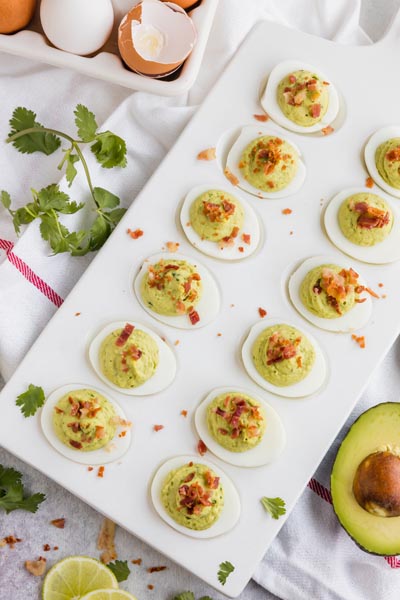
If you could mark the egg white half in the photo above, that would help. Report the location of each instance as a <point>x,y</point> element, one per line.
<point>118,445</point>
<point>384,252</point>
<point>247,135</point>
<point>230,513</point>
<point>378,138</point>
<point>354,319</point>
<point>270,447</point>
<point>269,100</point>
<point>208,305</point>
<point>163,375</point>
<point>251,226</point>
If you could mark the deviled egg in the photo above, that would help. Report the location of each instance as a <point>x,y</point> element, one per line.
<point>330,294</point>
<point>132,359</point>
<point>284,359</point>
<point>219,224</point>
<point>264,164</point>
<point>239,427</point>
<point>364,225</point>
<point>177,291</point>
<point>196,499</point>
<point>300,98</point>
<point>83,424</point>
<point>382,158</point>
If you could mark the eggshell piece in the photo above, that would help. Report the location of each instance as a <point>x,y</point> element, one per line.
<point>163,375</point>
<point>309,385</point>
<point>355,318</point>
<point>186,4</point>
<point>208,305</point>
<point>270,104</point>
<point>155,38</point>
<point>230,513</point>
<point>384,252</point>
<point>378,138</point>
<point>251,227</point>
<point>116,448</point>
<point>269,448</point>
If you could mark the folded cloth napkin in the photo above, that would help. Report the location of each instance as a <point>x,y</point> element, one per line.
<point>312,557</point>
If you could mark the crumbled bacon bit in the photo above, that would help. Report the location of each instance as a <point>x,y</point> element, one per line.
<point>327,130</point>
<point>10,541</point>
<point>124,335</point>
<point>231,177</point>
<point>59,523</point>
<point>75,444</point>
<point>393,155</point>
<point>184,413</point>
<point>58,410</point>
<point>122,434</point>
<point>100,472</point>
<point>380,284</point>
<point>106,541</point>
<point>36,567</point>
<point>136,561</point>
<point>150,587</point>
<point>360,340</point>
<point>246,237</point>
<point>370,217</point>
<point>241,249</point>
<point>55,548</point>
<point>156,569</point>
<point>287,211</point>
<point>299,362</point>
<point>262,312</point>
<point>193,316</point>
<point>46,548</point>
<point>172,246</point>
<point>261,118</point>
<point>135,234</point>
<point>280,349</point>
<point>77,314</point>
<point>177,342</point>
<point>208,154</point>
<point>158,427</point>
<point>315,110</point>
<point>201,448</point>
<point>369,182</point>
<point>219,334</point>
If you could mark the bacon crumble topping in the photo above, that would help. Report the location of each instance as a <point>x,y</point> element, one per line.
<point>280,348</point>
<point>370,216</point>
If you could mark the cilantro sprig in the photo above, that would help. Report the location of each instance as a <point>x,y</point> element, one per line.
<point>120,569</point>
<point>31,400</point>
<point>189,596</point>
<point>12,492</point>
<point>27,135</point>
<point>275,506</point>
<point>225,569</point>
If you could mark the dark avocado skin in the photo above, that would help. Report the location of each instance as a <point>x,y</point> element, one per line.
<point>332,473</point>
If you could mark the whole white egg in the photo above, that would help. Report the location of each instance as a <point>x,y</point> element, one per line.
<point>77,26</point>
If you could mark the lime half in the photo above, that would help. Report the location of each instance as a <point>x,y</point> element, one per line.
<point>75,576</point>
<point>108,595</point>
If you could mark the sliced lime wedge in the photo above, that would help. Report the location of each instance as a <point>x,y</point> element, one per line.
<point>108,595</point>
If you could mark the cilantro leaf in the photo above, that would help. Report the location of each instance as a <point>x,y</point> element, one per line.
<point>99,232</point>
<point>115,215</point>
<point>52,198</point>
<point>225,569</point>
<point>120,569</point>
<point>44,142</point>
<point>31,400</point>
<point>185,596</point>
<point>12,492</point>
<point>5,199</point>
<point>205,598</point>
<point>105,199</point>
<point>275,506</point>
<point>86,123</point>
<point>109,150</point>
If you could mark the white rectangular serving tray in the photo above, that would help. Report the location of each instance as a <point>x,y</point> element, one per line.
<point>106,63</point>
<point>206,361</point>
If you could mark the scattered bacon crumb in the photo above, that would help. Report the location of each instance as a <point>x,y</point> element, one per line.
<point>100,472</point>
<point>287,211</point>
<point>184,413</point>
<point>262,312</point>
<point>46,548</point>
<point>176,343</point>
<point>10,540</point>
<point>232,305</point>
<point>246,238</point>
<point>55,548</point>
<point>193,316</point>
<point>380,284</point>
<point>156,569</point>
<point>90,469</point>
<point>290,232</point>
<point>262,118</point>
<point>371,292</point>
<point>188,224</point>
<point>201,448</point>
<point>77,314</point>
<point>59,523</point>
<point>231,177</point>
<point>135,234</point>
<point>327,130</point>
<point>106,541</point>
<point>172,246</point>
<point>36,567</point>
<point>208,154</point>
<point>219,334</point>
<point>241,249</point>
<point>150,587</point>
<point>158,427</point>
<point>122,434</point>
<point>369,182</point>
<point>360,340</point>
<point>136,561</point>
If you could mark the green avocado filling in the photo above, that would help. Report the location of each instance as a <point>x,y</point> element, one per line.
<point>269,163</point>
<point>236,421</point>
<point>387,160</point>
<point>365,219</point>
<point>303,97</point>
<point>329,291</point>
<point>193,496</point>
<point>216,216</point>
<point>171,288</point>
<point>283,355</point>
<point>131,363</point>
<point>84,420</point>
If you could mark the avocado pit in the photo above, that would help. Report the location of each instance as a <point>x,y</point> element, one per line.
<point>376,484</point>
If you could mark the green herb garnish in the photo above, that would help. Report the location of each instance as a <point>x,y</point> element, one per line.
<point>120,569</point>
<point>12,492</point>
<point>189,596</point>
<point>275,506</point>
<point>31,400</point>
<point>225,569</point>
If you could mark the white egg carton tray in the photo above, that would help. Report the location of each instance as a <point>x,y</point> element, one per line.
<point>106,64</point>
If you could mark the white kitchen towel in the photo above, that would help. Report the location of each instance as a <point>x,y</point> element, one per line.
<point>311,558</point>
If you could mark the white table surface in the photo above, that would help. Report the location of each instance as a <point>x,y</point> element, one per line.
<point>83,523</point>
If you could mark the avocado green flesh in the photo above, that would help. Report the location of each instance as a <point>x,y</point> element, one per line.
<point>374,429</point>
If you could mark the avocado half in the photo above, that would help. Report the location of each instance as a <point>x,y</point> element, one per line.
<point>376,429</point>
